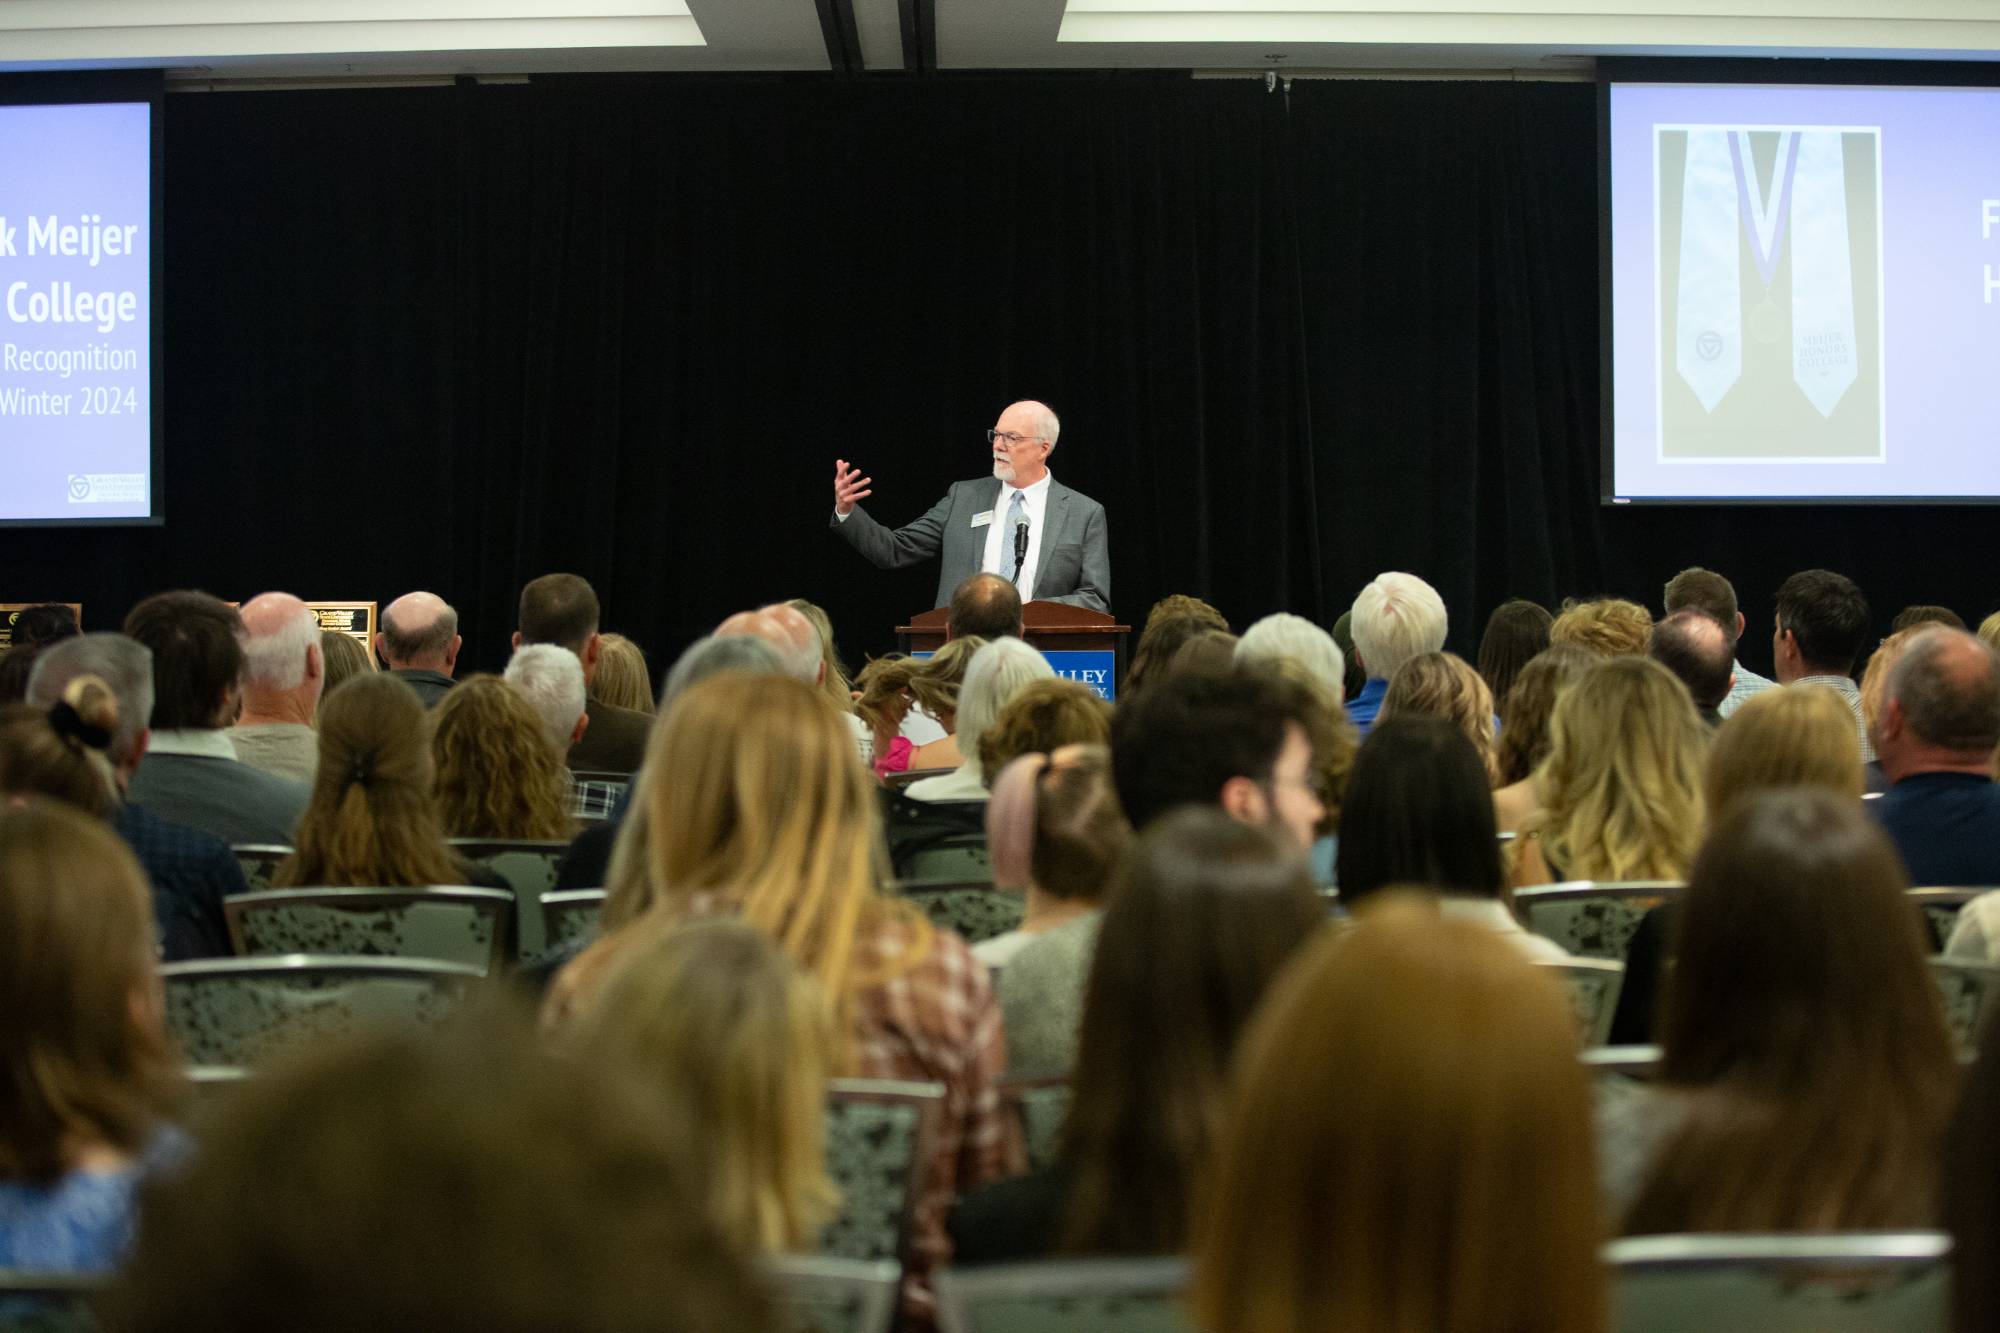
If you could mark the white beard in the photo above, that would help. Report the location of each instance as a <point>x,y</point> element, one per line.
<point>1004,471</point>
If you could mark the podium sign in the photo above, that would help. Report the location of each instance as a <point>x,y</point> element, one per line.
<point>1099,670</point>
<point>9,610</point>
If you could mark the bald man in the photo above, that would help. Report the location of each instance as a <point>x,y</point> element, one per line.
<point>419,643</point>
<point>788,631</point>
<point>283,676</point>
<point>1020,523</point>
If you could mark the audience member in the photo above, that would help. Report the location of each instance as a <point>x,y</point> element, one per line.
<point>1397,617</point>
<point>998,671</point>
<point>1972,1194</point>
<point>833,680</point>
<point>345,657</point>
<point>60,752</point>
<point>1444,686</point>
<point>190,773</point>
<point>16,665</point>
<point>1874,686</point>
<point>984,606</point>
<point>1939,724</point>
<point>1244,741</point>
<point>1420,814</point>
<point>623,679</point>
<point>1211,650</point>
<point>1807,1088</point>
<point>740,1042</point>
<point>1041,718</point>
<point>42,623</point>
<point>551,680</point>
<point>1621,788</point>
<point>1912,617</point>
<point>805,658</point>
<point>472,1183</point>
<point>87,1076</point>
<point>1296,648</point>
<point>1607,626</point>
<point>768,817</point>
<point>1691,644</point>
<point>1173,620</point>
<point>1390,1160</point>
<point>284,673</point>
<point>1704,590</point>
<point>892,687</point>
<point>1821,624</point>
<point>1989,631</point>
<point>191,871</point>
<point>562,609</point>
<point>1352,677</point>
<point>710,656</point>
<point>1056,834</point>
<point>1288,638</point>
<point>1524,729</point>
<point>1205,914</point>
<point>497,774</point>
<point>419,643</point>
<point>372,823</point>
<point>1515,633</point>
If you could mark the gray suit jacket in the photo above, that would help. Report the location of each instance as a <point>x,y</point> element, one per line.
<point>1075,565</point>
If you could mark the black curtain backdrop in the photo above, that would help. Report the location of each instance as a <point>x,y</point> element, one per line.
<point>454,338</point>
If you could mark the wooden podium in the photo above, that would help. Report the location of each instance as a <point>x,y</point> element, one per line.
<point>1050,626</point>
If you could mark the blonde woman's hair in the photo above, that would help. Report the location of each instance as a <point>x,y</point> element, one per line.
<point>1385,1162</point>
<point>834,684</point>
<point>715,1015</point>
<point>1989,630</point>
<point>1444,686</point>
<point>497,774</point>
<point>60,752</point>
<point>1621,787</point>
<point>931,683</point>
<point>370,822</point>
<point>1875,676</point>
<point>622,678</point>
<point>753,800</point>
<point>1609,626</point>
<point>1800,736</point>
<point>345,657</point>
<point>82,1061</point>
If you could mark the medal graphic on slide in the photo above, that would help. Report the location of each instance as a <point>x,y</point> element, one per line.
<point>1769,257</point>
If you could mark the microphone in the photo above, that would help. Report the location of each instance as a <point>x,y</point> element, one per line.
<point>1020,543</point>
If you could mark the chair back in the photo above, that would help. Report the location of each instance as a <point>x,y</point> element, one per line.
<point>1592,918</point>
<point>1969,990</point>
<point>529,867</point>
<point>1939,909</point>
<point>1639,1062</point>
<point>1593,984</point>
<point>878,1137</point>
<point>1040,1105</point>
<point>903,779</point>
<point>974,908</point>
<point>836,1295</point>
<point>1882,1282</point>
<point>959,856</point>
<point>570,917</point>
<point>33,1301</point>
<point>259,861</point>
<point>1066,1296</point>
<point>243,1011</point>
<point>455,925</point>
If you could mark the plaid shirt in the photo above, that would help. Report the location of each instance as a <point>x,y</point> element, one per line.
<point>937,1022</point>
<point>1851,696</point>
<point>191,873</point>
<point>1747,683</point>
<point>592,798</point>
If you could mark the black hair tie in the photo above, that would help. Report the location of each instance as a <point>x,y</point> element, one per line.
<point>360,771</point>
<point>70,725</point>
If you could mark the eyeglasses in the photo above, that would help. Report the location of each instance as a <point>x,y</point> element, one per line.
<point>1009,438</point>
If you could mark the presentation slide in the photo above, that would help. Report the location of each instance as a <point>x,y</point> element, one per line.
<point>76,320</point>
<point>1805,292</point>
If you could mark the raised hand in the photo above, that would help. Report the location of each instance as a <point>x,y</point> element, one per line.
<point>849,486</point>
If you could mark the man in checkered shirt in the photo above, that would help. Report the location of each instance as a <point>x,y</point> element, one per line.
<point>551,679</point>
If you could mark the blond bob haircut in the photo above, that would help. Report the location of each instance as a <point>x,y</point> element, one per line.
<point>622,678</point>
<point>84,1056</point>
<point>1609,626</point>
<point>931,683</point>
<point>1386,1165</point>
<point>1621,787</point>
<point>1802,736</point>
<point>753,801</point>
<point>497,774</point>
<point>716,1014</point>
<point>1444,686</point>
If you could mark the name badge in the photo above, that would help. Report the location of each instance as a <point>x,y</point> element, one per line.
<point>981,520</point>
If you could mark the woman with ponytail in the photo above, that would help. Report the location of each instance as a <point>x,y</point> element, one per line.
<point>60,753</point>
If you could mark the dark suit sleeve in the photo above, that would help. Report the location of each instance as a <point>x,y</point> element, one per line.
<point>907,545</point>
<point>1093,588</point>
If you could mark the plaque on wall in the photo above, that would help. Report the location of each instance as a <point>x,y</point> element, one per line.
<point>354,619</point>
<point>9,610</point>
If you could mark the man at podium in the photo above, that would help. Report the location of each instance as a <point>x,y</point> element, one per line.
<point>1020,523</point>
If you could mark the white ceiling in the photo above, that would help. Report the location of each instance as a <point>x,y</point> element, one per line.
<point>264,39</point>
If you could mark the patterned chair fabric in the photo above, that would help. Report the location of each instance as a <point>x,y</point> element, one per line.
<point>32,1302</point>
<point>1593,984</point>
<point>975,909</point>
<point>878,1136</point>
<point>570,917</point>
<point>243,1011</point>
<point>529,867</point>
<point>455,925</point>
<point>259,861</point>
<point>1969,990</point>
<point>1888,1282</point>
<point>1067,1296</point>
<point>1592,919</point>
<point>1940,908</point>
<point>836,1295</point>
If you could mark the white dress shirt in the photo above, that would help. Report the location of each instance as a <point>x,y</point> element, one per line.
<point>1000,534</point>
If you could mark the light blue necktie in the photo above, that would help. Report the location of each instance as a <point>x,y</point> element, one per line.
<point>1017,513</point>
